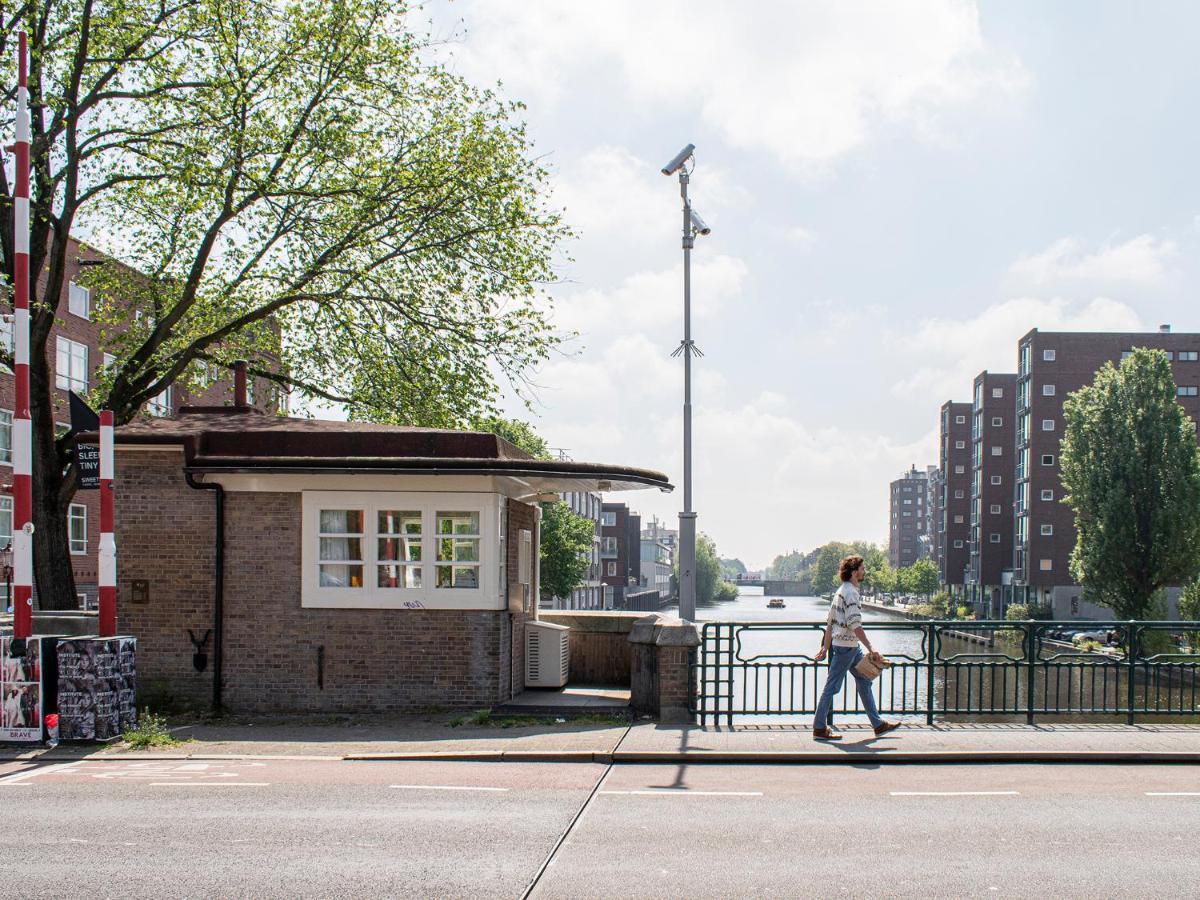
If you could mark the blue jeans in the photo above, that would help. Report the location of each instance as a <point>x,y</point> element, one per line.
<point>841,661</point>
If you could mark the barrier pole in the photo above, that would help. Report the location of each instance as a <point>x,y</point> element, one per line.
<point>108,544</point>
<point>22,427</point>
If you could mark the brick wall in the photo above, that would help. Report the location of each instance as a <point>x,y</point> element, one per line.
<point>374,660</point>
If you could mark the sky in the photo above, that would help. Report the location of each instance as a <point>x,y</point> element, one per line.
<point>897,193</point>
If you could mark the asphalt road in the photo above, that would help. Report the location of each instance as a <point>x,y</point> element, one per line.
<point>301,827</point>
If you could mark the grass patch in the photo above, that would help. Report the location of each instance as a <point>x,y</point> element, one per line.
<point>151,731</point>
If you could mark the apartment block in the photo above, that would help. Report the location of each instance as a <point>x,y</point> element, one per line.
<point>590,594</point>
<point>993,414</point>
<point>909,517</point>
<point>1050,366</point>
<point>620,551</point>
<point>951,514</point>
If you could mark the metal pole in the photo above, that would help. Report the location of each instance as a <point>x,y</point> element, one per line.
<point>687,518</point>
<point>108,544</point>
<point>22,427</point>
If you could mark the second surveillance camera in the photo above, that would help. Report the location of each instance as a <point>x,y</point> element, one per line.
<point>699,224</point>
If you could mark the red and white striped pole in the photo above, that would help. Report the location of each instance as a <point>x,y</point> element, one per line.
<point>22,428</point>
<point>108,543</point>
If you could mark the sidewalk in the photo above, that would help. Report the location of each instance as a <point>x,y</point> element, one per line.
<point>425,739</point>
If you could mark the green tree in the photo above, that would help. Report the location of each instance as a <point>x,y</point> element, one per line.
<point>1131,470</point>
<point>566,549</point>
<point>1189,611</point>
<point>297,184</point>
<point>786,566</point>
<point>732,568</point>
<point>708,571</point>
<point>825,569</point>
<point>516,432</point>
<point>921,577</point>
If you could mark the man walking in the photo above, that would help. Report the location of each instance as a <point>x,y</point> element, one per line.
<point>848,634</point>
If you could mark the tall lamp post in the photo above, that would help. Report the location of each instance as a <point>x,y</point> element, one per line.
<point>692,225</point>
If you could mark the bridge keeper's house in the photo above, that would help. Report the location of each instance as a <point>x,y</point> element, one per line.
<point>282,564</point>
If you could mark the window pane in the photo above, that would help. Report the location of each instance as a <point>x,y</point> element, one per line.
<point>341,576</point>
<point>341,521</point>
<point>5,436</point>
<point>458,523</point>
<point>6,519</point>
<point>400,549</point>
<point>399,576</point>
<point>341,548</point>
<point>392,521</point>
<point>457,577</point>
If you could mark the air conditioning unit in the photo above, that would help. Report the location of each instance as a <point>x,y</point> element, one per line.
<point>547,654</point>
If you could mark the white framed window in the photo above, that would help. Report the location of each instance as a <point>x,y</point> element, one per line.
<point>76,528</point>
<point>612,569</point>
<point>1049,390</point>
<point>997,479</point>
<point>1047,459</point>
<point>1047,530</point>
<point>1047,424</point>
<point>997,392</point>
<point>1048,355</point>
<point>6,520</point>
<point>402,550</point>
<point>6,432</point>
<point>995,509</point>
<point>608,518</point>
<point>997,451</point>
<point>1047,494</point>
<point>107,359</point>
<point>1125,354</point>
<point>997,421</point>
<point>1189,355</point>
<point>960,445</point>
<point>6,339</point>
<point>994,538</point>
<point>79,300</point>
<point>960,420</point>
<point>958,494</point>
<point>71,371</point>
<point>959,470</point>
<point>958,520</point>
<point>907,512</point>
<point>160,405</point>
<point>908,500</point>
<point>958,545</point>
<point>1046,565</point>
<point>1186,390</point>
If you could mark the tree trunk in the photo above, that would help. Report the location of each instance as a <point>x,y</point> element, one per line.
<point>51,496</point>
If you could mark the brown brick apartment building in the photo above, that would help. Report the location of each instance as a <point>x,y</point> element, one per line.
<point>360,567</point>
<point>951,522</point>
<point>620,549</point>
<point>1050,366</point>
<point>909,518</point>
<point>993,414</point>
<point>77,358</point>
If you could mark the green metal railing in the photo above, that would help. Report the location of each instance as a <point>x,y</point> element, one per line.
<point>979,669</point>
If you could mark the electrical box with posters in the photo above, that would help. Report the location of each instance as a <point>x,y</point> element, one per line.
<point>27,688</point>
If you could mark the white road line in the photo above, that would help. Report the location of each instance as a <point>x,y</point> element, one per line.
<point>445,787</point>
<point>209,784</point>
<point>954,793</point>
<point>47,770</point>
<point>7,783</point>
<point>683,792</point>
<point>1173,793</point>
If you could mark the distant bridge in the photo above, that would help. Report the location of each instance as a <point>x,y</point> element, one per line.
<point>774,588</point>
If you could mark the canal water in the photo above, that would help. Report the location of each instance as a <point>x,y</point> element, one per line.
<point>967,683</point>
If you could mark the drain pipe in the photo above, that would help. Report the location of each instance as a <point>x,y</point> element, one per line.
<point>218,582</point>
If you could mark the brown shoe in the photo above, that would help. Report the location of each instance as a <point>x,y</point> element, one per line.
<point>885,728</point>
<point>826,734</point>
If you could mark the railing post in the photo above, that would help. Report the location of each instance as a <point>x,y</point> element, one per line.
<point>1031,662</point>
<point>1131,662</point>
<point>930,655</point>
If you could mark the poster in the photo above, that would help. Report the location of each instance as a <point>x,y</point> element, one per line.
<point>97,687</point>
<point>20,692</point>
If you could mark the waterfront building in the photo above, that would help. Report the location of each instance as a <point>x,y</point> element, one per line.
<point>1050,366</point>
<point>952,509</point>
<point>620,552</point>
<point>909,517</point>
<point>993,413</point>
<point>590,594</point>
<point>658,558</point>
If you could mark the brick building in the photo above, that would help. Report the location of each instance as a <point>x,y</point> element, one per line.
<point>909,518</point>
<point>358,567</point>
<point>620,550</point>
<point>1050,366</point>
<point>78,357</point>
<point>991,537</point>
<point>953,509</point>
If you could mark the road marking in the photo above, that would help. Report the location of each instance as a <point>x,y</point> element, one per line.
<point>23,777</point>
<point>954,793</point>
<point>683,792</point>
<point>1173,793</point>
<point>444,787</point>
<point>210,784</point>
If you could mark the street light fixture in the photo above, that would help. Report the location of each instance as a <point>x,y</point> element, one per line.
<point>692,226</point>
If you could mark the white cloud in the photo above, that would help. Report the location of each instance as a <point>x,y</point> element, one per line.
<point>808,82</point>
<point>1143,261</point>
<point>800,236</point>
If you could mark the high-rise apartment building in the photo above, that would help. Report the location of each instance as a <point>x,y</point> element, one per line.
<point>953,506</point>
<point>1050,366</point>
<point>993,413</point>
<point>590,594</point>
<point>909,517</point>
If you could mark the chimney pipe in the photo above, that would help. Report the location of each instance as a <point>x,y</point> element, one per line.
<point>239,384</point>
<point>1164,329</point>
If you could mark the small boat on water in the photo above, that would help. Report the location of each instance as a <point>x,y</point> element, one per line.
<point>775,603</point>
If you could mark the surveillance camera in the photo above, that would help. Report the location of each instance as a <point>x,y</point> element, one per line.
<point>680,158</point>
<point>699,224</point>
